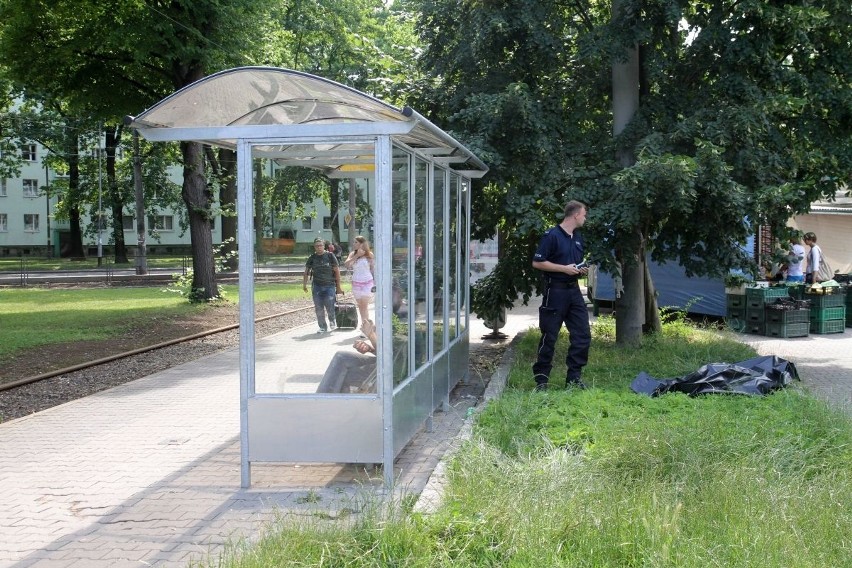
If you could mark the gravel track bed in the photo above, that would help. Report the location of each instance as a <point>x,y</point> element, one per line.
<point>35,397</point>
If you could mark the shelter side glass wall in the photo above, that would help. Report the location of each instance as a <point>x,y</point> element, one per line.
<point>464,261</point>
<point>439,259</point>
<point>401,280</point>
<point>430,228</point>
<point>454,233</point>
<point>421,260</point>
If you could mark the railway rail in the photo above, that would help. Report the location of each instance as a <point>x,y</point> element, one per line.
<point>126,354</point>
<point>24,396</point>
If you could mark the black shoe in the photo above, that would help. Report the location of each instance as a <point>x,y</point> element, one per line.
<point>575,384</point>
<point>541,387</point>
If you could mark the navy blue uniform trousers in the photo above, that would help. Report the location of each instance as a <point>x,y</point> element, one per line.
<point>558,306</point>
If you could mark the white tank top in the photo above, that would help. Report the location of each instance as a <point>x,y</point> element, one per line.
<point>361,270</point>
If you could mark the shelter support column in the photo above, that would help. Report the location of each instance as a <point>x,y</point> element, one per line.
<point>245,248</point>
<point>384,285</point>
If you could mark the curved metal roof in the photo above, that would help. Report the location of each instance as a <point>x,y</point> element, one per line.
<point>267,103</point>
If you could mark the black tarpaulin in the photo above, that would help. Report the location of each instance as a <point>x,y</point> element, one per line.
<point>757,376</point>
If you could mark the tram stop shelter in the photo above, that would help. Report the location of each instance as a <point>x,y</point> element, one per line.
<point>409,190</point>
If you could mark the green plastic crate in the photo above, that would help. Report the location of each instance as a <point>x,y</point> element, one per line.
<point>755,315</point>
<point>735,313</point>
<point>735,300</point>
<point>756,328</point>
<point>825,314</point>
<point>757,297</point>
<point>828,326</point>
<point>787,329</point>
<point>788,316</point>
<point>833,300</point>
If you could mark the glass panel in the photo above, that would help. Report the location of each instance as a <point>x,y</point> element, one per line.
<point>421,261</point>
<point>453,260</point>
<point>464,244</point>
<point>299,358</point>
<point>438,261</point>
<point>400,266</point>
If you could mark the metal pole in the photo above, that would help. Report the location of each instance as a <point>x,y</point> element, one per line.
<point>47,199</point>
<point>100,204</point>
<point>141,251</point>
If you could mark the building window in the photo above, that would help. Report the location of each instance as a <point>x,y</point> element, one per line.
<point>326,222</point>
<point>306,223</point>
<point>3,187</point>
<point>28,152</point>
<point>161,222</point>
<point>30,188</point>
<point>30,223</point>
<point>127,222</point>
<point>4,223</point>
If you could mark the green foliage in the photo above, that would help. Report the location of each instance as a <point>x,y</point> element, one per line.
<point>743,120</point>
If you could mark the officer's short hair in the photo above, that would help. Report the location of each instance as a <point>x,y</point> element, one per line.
<point>573,206</point>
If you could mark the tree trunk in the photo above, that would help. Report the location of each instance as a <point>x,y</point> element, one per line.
<point>116,199</point>
<point>630,307</point>
<point>652,310</point>
<point>198,199</point>
<point>353,215</point>
<point>334,197</point>
<point>75,243</point>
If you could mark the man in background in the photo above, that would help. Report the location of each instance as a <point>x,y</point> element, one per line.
<point>324,272</point>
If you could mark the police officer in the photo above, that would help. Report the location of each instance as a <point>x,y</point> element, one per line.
<point>557,256</point>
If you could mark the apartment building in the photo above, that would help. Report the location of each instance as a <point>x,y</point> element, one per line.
<point>28,225</point>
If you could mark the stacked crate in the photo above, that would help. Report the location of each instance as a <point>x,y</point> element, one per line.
<point>788,322</point>
<point>756,300</point>
<point>735,305</point>
<point>849,306</point>
<point>828,311</point>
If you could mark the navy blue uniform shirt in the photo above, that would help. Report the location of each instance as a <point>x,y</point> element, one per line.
<point>559,247</point>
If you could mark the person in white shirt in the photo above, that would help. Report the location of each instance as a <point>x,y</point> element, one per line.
<point>361,263</point>
<point>794,260</point>
<point>812,268</point>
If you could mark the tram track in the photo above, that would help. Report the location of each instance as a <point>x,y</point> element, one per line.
<point>126,354</point>
<point>39,392</point>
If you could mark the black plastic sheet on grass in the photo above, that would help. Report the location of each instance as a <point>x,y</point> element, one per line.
<point>758,376</point>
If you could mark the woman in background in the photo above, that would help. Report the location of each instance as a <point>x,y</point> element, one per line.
<point>361,263</point>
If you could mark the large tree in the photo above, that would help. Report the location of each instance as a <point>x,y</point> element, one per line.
<point>117,58</point>
<point>743,119</point>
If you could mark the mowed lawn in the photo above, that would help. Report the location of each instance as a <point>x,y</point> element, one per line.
<point>32,317</point>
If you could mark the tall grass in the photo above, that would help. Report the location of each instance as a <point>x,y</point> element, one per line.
<point>605,477</point>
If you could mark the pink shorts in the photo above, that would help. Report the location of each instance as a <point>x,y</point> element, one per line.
<point>363,290</point>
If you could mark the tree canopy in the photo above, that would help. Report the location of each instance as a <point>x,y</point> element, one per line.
<point>744,119</point>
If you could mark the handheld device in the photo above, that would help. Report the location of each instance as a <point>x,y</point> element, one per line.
<point>582,265</point>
